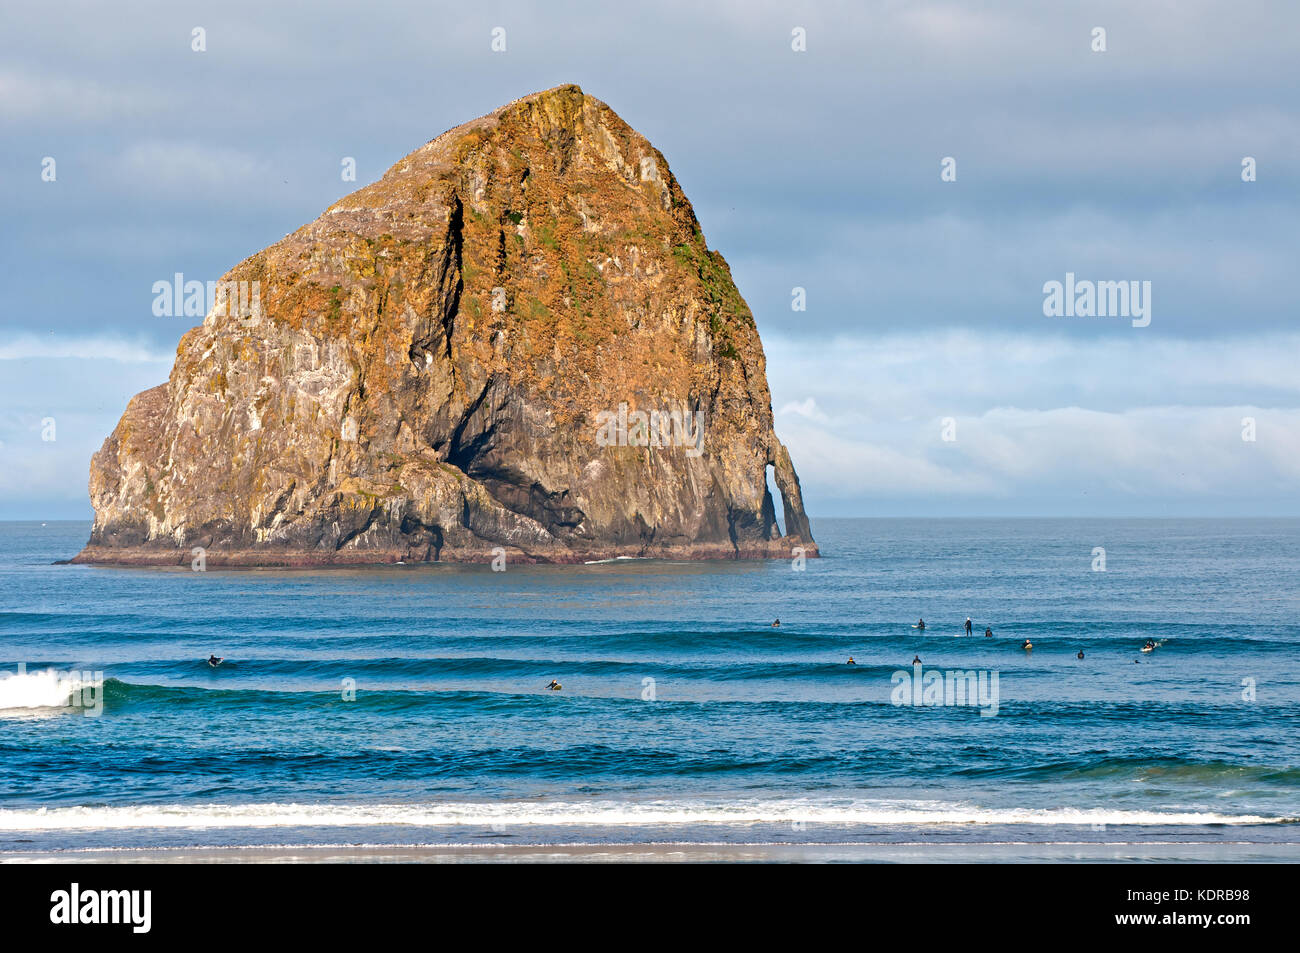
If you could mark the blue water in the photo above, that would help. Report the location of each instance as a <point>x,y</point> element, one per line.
<point>684,717</point>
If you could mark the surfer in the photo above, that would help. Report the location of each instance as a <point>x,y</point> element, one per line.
<point>1149,647</point>
<point>1028,646</point>
<point>214,661</point>
<point>1080,655</point>
<point>916,660</point>
<point>988,633</point>
<point>554,686</point>
<point>776,623</point>
<point>968,625</point>
<point>850,661</point>
<point>920,624</point>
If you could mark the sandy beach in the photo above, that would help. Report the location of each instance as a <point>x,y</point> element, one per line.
<point>1152,851</point>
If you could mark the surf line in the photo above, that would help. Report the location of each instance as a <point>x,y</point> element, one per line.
<point>952,688</point>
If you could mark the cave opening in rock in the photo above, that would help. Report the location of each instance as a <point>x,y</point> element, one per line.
<point>773,495</point>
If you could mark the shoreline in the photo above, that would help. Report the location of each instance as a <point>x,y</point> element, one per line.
<point>134,557</point>
<point>910,853</point>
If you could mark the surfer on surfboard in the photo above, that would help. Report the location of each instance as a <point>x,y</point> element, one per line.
<point>214,661</point>
<point>920,624</point>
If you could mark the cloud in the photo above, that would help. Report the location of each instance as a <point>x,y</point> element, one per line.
<point>966,372</point>
<point>816,169</point>
<point>80,386</point>
<point>805,408</point>
<point>1056,419</point>
<point>28,347</point>
<point>182,166</point>
<point>48,98</point>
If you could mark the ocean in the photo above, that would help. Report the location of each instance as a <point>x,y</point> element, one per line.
<point>370,712</point>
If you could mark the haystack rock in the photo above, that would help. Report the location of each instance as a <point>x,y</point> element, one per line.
<point>515,341</point>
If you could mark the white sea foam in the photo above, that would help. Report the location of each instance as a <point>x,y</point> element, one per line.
<point>592,814</point>
<point>47,689</point>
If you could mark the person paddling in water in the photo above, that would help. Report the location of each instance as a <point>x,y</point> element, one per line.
<point>988,633</point>
<point>214,661</point>
<point>968,625</point>
<point>1028,646</point>
<point>850,661</point>
<point>776,623</point>
<point>554,686</point>
<point>916,660</point>
<point>920,624</point>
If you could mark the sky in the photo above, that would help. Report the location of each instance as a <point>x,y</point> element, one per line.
<point>923,377</point>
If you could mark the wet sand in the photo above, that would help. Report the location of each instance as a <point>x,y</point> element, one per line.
<point>1139,852</point>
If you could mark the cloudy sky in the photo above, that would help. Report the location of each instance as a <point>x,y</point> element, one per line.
<point>818,169</point>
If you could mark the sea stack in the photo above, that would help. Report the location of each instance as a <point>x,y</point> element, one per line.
<point>516,341</point>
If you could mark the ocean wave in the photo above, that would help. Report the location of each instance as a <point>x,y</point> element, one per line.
<point>412,640</point>
<point>606,814</point>
<point>526,666</point>
<point>117,693</point>
<point>41,689</point>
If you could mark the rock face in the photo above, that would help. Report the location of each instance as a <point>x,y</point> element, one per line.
<point>485,348</point>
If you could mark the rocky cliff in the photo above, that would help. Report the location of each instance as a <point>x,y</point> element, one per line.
<point>516,338</point>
